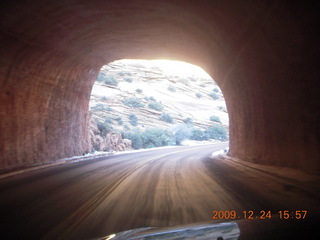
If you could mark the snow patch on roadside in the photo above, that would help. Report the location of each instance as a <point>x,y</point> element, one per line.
<point>196,143</point>
<point>220,152</point>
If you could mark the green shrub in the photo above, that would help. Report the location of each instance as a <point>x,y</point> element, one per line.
<point>198,135</point>
<point>215,119</point>
<point>171,89</point>
<point>217,132</point>
<point>101,107</point>
<point>104,128</point>
<point>110,80</point>
<point>156,106</point>
<point>133,120</point>
<point>216,90</point>
<point>214,96</point>
<point>198,95</point>
<point>135,137</point>
<point>188,121</point>
<point>152,99</point>
<point>139,90</point>
<point>181,132</point>
<point>122,73</point>
<point>166,118</point>
<point>155,137</point>
<point>119,120</point>
<point>129,80</point>
<point>108,120</point>
<point>133,102</point>
<point>222,108</point>
<point>101,76</point>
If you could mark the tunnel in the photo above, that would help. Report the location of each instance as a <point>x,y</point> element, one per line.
<point>262,54</point>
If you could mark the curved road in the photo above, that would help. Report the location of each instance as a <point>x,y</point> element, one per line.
<point>161,187</point>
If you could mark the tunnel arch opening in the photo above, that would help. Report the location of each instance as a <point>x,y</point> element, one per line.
<point>250,48</point>
<point>155,103</point>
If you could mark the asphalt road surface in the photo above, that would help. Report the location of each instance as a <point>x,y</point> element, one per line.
<point>161,187</point>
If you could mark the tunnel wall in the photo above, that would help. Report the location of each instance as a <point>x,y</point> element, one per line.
<point>263,56</point>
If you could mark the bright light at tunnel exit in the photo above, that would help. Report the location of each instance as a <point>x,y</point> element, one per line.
<point>177,68</point>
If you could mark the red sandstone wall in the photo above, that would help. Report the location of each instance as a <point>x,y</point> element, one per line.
<point>263,56</point>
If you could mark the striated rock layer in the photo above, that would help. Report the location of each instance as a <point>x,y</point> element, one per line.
<point>263,55</point>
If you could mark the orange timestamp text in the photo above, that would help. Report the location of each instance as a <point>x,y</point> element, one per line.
<point>283,214</point>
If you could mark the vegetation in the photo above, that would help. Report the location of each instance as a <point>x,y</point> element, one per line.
<point>123,73</point>
<point>108,120</point>
<point>133,102</point>
<point>119,120</point>
<point>166,118</point>
<point>101,76</point>
<point>156,106</point>
<point>104,128</point>
<point>217,132</point>
<point>181,132</point>
<point>154,137</point>
<point>107,79</point>
<point>101,107</point>
<point>214,96</point>
<point>139,90</point>
<point>129,80</point>
<point>198,95</point>
<point>215,119</point>
<point>198,135</point>
<point>216,90</point>
<point>150,99</point>
<point>133,119</point>
<point>188,121</point>
<point>135,137</point>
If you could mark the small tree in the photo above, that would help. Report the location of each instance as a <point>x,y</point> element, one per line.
<point>101,107</point>
<point>135,137</point>
<point>110,80</point>
<point>216,90</point>
<point>129,80</point>
<point>133,102</point>
<point>181,132</point>
<point>188,121</point>
<point>133,120</point>
<point>166,118</point>
<point>156,106</point>
<point>198,95</point>
<point>198,135</point>
<point>215,119</point>
<point>217,132</point>
<point>214,96</point>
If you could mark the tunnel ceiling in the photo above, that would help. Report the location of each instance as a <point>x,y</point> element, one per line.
<point>263,55</point>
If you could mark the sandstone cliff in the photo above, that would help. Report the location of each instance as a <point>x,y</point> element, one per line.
<point>131,95</point>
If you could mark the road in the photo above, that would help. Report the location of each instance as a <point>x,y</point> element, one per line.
<point>161,187</point>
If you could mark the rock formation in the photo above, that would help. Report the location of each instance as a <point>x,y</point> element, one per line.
<point>111,142</point>
<point>115,142</point>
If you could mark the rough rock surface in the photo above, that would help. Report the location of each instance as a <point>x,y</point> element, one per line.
<point>264,56</point>
<point>181,103</point>
<point>116,143</point>
<point>111,142</point>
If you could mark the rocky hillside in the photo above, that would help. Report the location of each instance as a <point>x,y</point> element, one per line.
<point>131,96</point>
